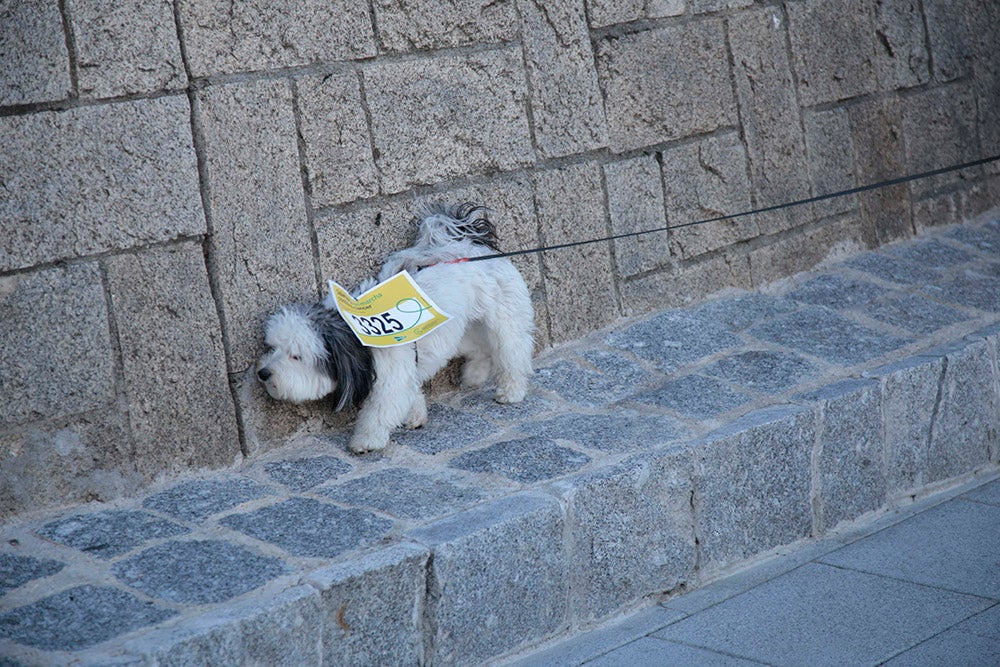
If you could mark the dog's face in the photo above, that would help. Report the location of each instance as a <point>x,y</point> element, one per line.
<point>294,368</point>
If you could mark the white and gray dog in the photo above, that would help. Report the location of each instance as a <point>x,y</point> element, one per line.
<point>313,353</point>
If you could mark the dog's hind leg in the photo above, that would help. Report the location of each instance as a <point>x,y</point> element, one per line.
<point>391,400</point>
<point>508,329</point>
<point>478,359</point>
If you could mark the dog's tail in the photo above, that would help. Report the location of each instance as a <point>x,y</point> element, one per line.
<point>441,224</point>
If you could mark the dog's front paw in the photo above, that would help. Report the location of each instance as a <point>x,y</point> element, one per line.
<point>509,395</point>
<point>363,446</point>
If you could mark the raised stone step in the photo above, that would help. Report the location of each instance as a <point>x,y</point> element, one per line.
<point>646,459</point>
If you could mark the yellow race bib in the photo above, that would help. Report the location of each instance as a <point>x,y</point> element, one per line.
<point>394,312</point>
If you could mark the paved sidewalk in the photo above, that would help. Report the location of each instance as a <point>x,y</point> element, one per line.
<point>646,458</point>
<point>917,587</point>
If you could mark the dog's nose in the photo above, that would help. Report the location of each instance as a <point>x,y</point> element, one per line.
<point>263,374</point>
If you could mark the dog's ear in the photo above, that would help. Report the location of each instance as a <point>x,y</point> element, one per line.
<point>348,362</point>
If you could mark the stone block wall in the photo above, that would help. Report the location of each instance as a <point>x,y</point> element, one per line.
<point>173,170</point>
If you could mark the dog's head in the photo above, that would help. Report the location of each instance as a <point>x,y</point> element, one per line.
<point>312,353</point>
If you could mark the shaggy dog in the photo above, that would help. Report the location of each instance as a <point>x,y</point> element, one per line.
<point>313,353</point>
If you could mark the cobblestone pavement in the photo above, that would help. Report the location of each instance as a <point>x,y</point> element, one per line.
<point>216,564</point>
<point>916,587</point>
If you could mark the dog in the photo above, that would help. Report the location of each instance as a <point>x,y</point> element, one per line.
<point>313,353</point>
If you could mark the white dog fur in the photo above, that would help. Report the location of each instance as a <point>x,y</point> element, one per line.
<point>313,353</point>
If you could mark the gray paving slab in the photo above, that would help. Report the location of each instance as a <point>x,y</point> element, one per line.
<point>447,428</point>
<point>197,500</point>
<point>984,624</point>
<point>530,459</point>
<point>625,430</point>
<point>914,312</point>
<point>603,640</point>
<point>413,495</point>
<point>308,527</point>
<point>654,651</point>
<point>18,570</point>
<point>197,571</point>
<point>838,292</point>
<point>763,370</point>
<point>864,619</point>
<point>741,312</point>
<point>952,546</point>
<point>987,493</point>
<point>597,379</point>
<point>674,338</point>
<point>951,648</point>
<point>109,534</point>
<point>694,396</point>
<point>825,334</point>
<point>79,617</point>
<point>305,473</point>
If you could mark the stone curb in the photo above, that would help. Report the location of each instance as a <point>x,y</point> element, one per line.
<point>492,531</point>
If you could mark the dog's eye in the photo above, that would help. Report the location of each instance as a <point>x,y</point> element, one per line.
<point>296,357</point>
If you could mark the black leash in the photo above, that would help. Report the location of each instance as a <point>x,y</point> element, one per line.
<point>777,207</point>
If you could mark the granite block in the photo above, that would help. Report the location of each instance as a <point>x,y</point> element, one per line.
<point>78,618</point>
<point>665,83</point>
<point>769,113</point>
<point>941,119</point>
<point>36,63</point>
<point>932,254</point>
<point>180,407</point>
<point>411,101</point>
<point>674,338</point>
<point>197,500</point>
<point>621,431</point>
<point>833,53</point>
<point>280,629</point>
<point>603,13</point>
<point>17,570</point>
<point>303,474</point>
<point>338,149</point>
<point>48,373</point>
<point>904,552</point>
<point>984,624</point>
<point>781,256</point>
<point>819,596</point>
<point>838,292</point>
<point>738,313</point>
<point>307,527</point>
<point>611,378</point>
<point>914,312</point>
<point>436,24</point>
<point>902,59</point>
<point>693,396</point>
<point>497,579</point>
<point>909,403</point>
<point>631,532</point>
<point>527,460</point>
<point>887,212</point>
<point>567,109</point>
<point>762,370</point>
<point>197,571</point>
<point>260,246</point>
<point>446,429</point>
<point>126,176</point>
<point>987,493</point>
<point>752,485</point>
<point>362,629</point>
<point>970,289</point>
<point>571,207</point>
<point>405,494</point>
<point>831,159</point>
<point>966,423</point>
<point>704,180</point>
<point>111,533</point>
<point>985,239</point>
<point>686,287</point>
<point>125,48</point>
<point>893,269</point>
<point>851,475</point>
<point>253,36</point>
<point>825,334</point>
<point>635,204</point>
